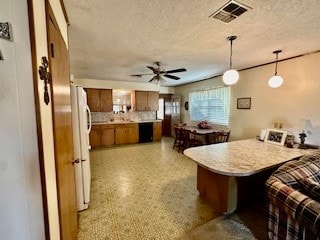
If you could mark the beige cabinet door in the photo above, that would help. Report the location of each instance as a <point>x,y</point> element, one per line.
<point>93,96</point>
<point>153,101</point>
<point>133,134</point>
<point>107,135</point>
<point>106,100</point>
<point>121,135</point>
<point>94,137</point>
<point>141,100</point>
<point>157,131</point>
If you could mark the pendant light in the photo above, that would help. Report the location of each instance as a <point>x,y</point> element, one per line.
<point>276,80</point>
<point>230,76</point>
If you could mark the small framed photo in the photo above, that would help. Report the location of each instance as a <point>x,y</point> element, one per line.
<point>244,103</point>
<point>275,136</point>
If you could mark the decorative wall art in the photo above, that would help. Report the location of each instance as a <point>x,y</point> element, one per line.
<point>244,103</point>
<point>5,31</point>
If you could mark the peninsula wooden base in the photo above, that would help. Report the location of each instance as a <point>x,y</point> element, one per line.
<point>225,194</point>
<point>219,191</point>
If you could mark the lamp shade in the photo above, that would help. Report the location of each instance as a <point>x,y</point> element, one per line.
<point>230,77</point>
<point>275,81</point>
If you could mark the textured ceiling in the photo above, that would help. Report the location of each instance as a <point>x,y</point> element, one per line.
<point>110,40</point>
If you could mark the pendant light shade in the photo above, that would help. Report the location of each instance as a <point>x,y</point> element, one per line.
<point>276,80</point>
<point>230,76</point>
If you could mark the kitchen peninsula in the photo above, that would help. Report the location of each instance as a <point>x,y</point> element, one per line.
<point>229,173</point>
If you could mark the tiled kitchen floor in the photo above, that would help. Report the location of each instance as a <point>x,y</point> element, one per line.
<point>142,191</point>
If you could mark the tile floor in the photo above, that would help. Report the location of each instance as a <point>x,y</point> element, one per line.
<point>142,191</point>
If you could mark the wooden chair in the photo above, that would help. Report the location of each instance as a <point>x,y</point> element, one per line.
<point>219,137</point>
<point>189,139</point>
<point>178,141</point>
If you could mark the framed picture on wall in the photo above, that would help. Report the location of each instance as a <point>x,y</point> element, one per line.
<point>275,136</point>
<point>244,103</point>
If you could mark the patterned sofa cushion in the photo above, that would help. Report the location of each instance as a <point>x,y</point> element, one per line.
<point>293,213</point>
<point>310,188</point>
<point>307,166</point>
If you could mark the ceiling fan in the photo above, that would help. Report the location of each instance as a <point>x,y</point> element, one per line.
<point>158,72</point>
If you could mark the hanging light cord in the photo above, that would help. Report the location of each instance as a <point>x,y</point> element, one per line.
<point>231,54</point>
<point>276,68</point>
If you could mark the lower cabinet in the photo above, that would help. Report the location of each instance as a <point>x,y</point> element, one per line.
<point>101,136</point>
<point>126,133</point>
<point>94,137</point>
<point>107,135</point>
<point>157,131</point>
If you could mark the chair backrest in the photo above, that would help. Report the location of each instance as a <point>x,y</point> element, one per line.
<point>178,132</point>
<point>219,137</point>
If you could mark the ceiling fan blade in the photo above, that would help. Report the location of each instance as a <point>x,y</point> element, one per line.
<point>154,70</point>
<point>171,76</point>
<point>176,70</point>
<point>140,75</point>
<point>154,78</point>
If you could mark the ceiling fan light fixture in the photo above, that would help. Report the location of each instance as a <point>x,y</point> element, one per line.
<point>231,76</point>
<point>276,80</point>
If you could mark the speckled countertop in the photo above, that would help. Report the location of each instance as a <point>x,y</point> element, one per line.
<point>125,122</point>
<point>242,158</point>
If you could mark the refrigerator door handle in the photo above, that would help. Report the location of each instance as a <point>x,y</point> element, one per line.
<point>89,113</point>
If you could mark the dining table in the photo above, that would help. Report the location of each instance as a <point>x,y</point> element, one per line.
<point>202,131</point>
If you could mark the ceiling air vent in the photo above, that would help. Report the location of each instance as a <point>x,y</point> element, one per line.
<point>230,11</point>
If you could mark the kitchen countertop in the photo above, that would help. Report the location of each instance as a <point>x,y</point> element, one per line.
<point>124,122</point>
<point>242,158</point>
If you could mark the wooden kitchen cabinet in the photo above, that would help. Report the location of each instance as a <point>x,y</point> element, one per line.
<point>106,104</point>
<point>93,98</point>
<point>101,136</point>
<point>146,101</point>
<point>107,135</point>
<point>126,133</point>
<point>157,131</point>
<point>94,137</point>
<point>99,100</point>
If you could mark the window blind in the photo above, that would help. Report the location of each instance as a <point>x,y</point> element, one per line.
<point>212,105</point>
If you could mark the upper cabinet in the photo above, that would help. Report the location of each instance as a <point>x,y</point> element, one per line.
<point>146,100</point>
<point>99,100</point>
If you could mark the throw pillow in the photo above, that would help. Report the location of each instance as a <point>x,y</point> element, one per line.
<point>311,188</point>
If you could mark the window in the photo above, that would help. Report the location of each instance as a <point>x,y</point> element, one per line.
<point>212,105</point>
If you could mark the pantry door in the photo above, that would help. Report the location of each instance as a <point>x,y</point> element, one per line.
<point>62,128</point>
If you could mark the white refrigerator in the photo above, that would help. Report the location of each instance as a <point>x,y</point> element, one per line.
<point>81,121</point>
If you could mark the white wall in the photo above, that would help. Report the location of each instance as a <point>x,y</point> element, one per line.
<point>296,101</point>
<point>21,211</point>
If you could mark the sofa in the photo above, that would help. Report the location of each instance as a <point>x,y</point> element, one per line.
<point>293,192</point>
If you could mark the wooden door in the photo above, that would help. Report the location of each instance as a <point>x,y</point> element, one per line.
<point>62,126</point>
<point>175,112</point>
<point>153,101</point>
<point>93,96</point>
<point>157,131</point>
<point>94,137</point>
<point>141,100</point>
<point>106,103</point>
<point>107,135</point>
<point>166,121</point>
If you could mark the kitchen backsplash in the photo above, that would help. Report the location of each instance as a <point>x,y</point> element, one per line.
<point>133,116</point>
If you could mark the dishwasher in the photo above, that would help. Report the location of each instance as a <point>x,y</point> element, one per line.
<point>145,132</point>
